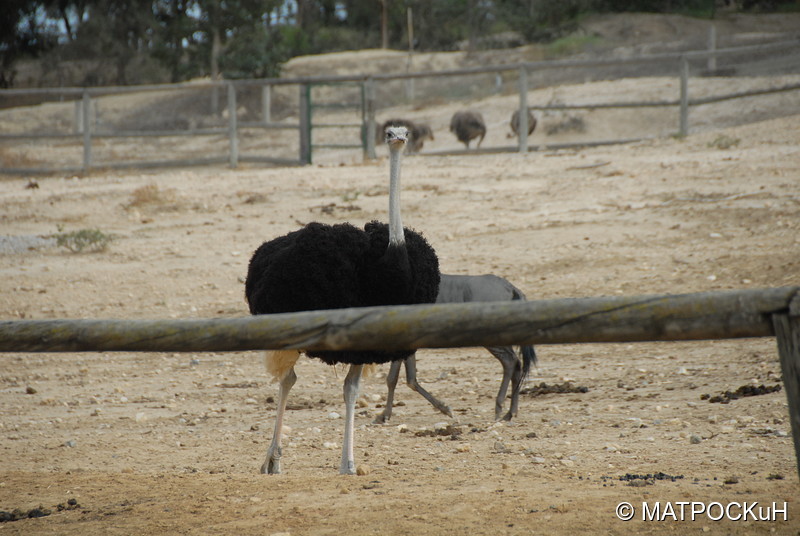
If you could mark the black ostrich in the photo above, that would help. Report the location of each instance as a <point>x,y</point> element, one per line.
<point>336,266</point>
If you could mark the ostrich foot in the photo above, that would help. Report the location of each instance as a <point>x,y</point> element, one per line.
<point>272,465</point>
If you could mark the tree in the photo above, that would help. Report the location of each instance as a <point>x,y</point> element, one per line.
<point>22,33</point>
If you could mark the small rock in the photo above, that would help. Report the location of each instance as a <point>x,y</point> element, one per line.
<point>30,390</point>
<point>330,445</point>
<point>695,439</point>
<point>363,470</point>
<point>333,415</point>
<point>71,443</point>
<point>537,459</point>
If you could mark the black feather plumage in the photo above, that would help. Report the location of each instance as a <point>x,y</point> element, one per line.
<point>337,266</point>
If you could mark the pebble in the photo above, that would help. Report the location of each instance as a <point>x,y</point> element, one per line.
<point>330,445</point>
<point>363,470</point>
<point>695,439</point>
<point>71,443</point>
<point>333,415</point>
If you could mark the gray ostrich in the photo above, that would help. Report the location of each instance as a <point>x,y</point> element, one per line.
<point>462,289</point>
<point>468,125</point>
<point>324,266</point>
<point>514,123</point>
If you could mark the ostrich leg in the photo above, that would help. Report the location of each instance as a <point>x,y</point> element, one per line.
<point>391,383</point>
<point>272,465</point>
<point>348,465</point>
<point>512,370</point>
<point>411,381</point>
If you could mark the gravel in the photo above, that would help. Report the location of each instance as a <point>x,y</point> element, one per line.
<point>15,244</point>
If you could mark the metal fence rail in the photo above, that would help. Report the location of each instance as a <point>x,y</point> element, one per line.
<point>712,315</point>
<point>85,133</point>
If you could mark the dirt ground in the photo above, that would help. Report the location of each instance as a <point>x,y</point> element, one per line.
<point>171,443</point>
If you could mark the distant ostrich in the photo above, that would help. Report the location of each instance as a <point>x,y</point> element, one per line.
<point>468,125</point>
<point>515,124</point>
<point>418,133</point>
<point>324,266</point>
<point>462,289</point>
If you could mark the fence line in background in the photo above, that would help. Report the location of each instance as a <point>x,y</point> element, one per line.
<point>710,315</point>
<point>84,131</point>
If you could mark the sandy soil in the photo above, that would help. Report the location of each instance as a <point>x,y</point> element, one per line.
<point>171,443</point>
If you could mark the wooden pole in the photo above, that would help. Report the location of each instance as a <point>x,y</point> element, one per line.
<point>712,315</point>
<point>787,331</point>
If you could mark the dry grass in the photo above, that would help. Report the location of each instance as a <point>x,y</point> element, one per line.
<point>153,197</point>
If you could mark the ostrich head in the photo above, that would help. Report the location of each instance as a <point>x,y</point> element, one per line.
<point>396,137</point>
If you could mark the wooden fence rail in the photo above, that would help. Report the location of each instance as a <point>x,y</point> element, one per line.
<point>712,315</point>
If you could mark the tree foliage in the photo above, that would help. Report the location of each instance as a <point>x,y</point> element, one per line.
<point>136,41</point>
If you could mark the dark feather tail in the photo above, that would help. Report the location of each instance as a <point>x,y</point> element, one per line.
<point>528,353</point>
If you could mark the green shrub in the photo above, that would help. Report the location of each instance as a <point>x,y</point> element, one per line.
<point>84,239</point>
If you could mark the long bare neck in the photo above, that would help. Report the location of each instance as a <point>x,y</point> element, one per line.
<point>396,234</point>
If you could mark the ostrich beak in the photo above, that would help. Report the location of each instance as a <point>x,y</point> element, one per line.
<point>397,140</point>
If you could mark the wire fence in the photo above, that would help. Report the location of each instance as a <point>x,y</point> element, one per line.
<point>280,121</point>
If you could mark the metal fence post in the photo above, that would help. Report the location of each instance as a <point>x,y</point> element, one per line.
<point>233,137</point>
<point>712,49</point>
<point>86,105</point>
<point>305,124</point>
<point>522,130</point>
<point>369,118</point>
<point>684,119</point>
<point>266,104</point>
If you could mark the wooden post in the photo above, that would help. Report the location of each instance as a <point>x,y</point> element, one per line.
<point>684,120</point>
<point>86,105</point>
<point>369,118</point>
<point>523,110</point>
<point>787,331</point>
<point>233,137</point>
<point>305,124</point>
